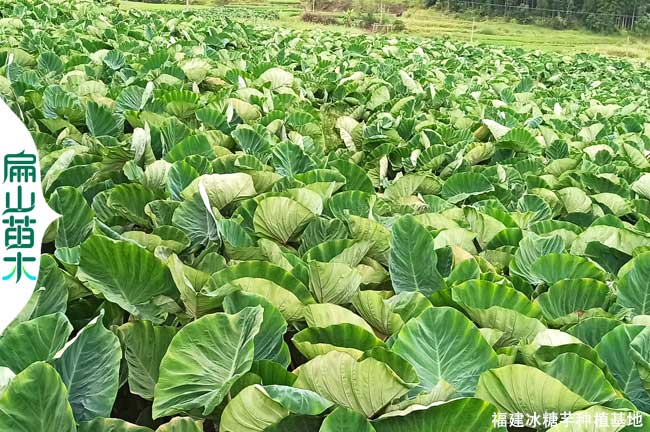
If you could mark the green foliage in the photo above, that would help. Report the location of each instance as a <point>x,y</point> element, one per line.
<point>596,15</point>
<point>266,229</point>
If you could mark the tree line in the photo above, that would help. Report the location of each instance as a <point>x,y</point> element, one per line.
<point>597,15</point>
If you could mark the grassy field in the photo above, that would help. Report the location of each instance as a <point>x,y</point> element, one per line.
<point>432,23</point>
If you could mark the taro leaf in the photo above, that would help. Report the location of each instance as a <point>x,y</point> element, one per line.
<point>289,159</point>
<point>269,343</point>
<point>450,416</point>
<point>369,230</point>
<point>592,330</point>
<point>251,140</point>
<point>348,338</point>
<point>49,62</point>
<point>110,425</point>
<point>530,250</point>
<point>520,140</point>
<point>353,384</point>
<point>179,176</point>
<point>346,420</point>
<point>35,340</point>
<point>524,389</point>
<point>333,282</point>
<point>499,307</point>
<point>102,122</point>
<point>298,401</point>
<point>582,377</point>
<point>114,60</point>
<point>145,345</point>
<point>351,202</point>
<point>574,296</point>
<point>89,366</point>
<point>326,314</point>
<point>222,189</point>
<point>413,259</point>
<point>609,258</point>
<point>455,350</point>
<point>389,315</point>
<point>59,103</point>
<point>182,424</point>
<point>129,201</point>
<point>616,351</point>
<point>36,401</point>
<point>126,274</point>
<point>281,288</point>
<point>633,287</point>
<point>555,267</point>
<point>280,218</point>
<point>196,220</point>
<point>461,186</point>
<point>51,278</point>
<point>203,360</point>
<point>190,283</point>
<point>277,77</point>
<point>76,219</point>
<point>356,177</point>
<point>251,410</point>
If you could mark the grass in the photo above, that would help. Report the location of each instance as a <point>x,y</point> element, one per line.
<point>427,22</point>
<point>433,23</point>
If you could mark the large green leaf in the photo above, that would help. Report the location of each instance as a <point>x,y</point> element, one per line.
<point>340,378</point>
<point>346,420</point>
<point>256,408</point>
<point>323,315</point>
<point>90,366</point>
<point>196,220</point>
<point>634,291</point>
<point>36,401</point>
<point>222,189</point>
<point>52,279</point>
<point>269,343</point>
<point>555,267</point>
<point>333,282</point>
<point>574,297</point>
<point>190,283</point>
<point>281,288</point>
<point>500,307</point>
<point>413,258</point>
<point>280,218</point>
<point>461,415</point>
<point>129,201</point>
<point>251,410</point>
<point>34,340</point>
<point>349,338</point>
<point>454,351</point>
<point>531,248</point>
<point>145,345</point>
<point>524,389</point>
<point>389,315</point>
<point>111,425</point>
<point>101,121</point>
<point>182,424</point>
<point>203,360</point>
<point>76,219</point>
<point>126,274</point>
<point>461,186</point>
<point>616,351</point>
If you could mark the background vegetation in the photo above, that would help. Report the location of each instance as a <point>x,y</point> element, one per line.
<point>597,15</point>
